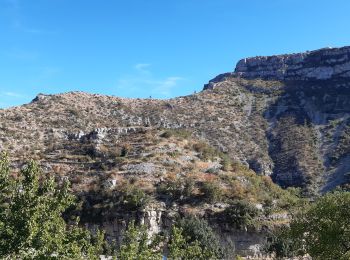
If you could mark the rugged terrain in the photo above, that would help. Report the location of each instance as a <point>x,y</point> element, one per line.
<point>285,116</point>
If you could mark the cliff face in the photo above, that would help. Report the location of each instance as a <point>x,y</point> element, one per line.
<point>328,63</point>
<point>306,108</point>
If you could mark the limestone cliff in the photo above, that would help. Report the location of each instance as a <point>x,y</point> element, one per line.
<point>323,64</point>
<point>306,108</point>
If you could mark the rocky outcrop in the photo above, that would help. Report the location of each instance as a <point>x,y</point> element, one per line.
<point>40,97</point>
<point>305,99</point>
<point>321,64</point>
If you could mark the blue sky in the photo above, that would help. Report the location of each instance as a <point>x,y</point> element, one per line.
<point>158,48</point>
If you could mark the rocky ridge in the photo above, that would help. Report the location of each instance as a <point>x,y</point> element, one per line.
<point>323,64</point>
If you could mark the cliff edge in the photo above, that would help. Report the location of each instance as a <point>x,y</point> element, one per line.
<point>323,64</point>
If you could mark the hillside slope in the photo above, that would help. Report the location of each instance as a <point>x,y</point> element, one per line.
<point>296,130</point>
<point>285,116</point>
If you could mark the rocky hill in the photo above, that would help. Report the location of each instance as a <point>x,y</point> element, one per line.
<point>306,111</point>
<point>285,116</point>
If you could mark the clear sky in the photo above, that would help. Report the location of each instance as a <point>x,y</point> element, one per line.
<point>158,48</point>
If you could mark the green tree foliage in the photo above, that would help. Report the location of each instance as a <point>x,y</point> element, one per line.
<point>178,189</point>
<point>240,214</point>
<point>280,243</point>
<point>137,246</point>
<point>321,230</point>
<point>31,225</point>
<point>133,198</point>
<point>325,227</point>
<point>190,239</point>
<point>212,192</point>
<point>205,151</point>
<point>5,186</point>
<point>200,238</point>
<point>180,246</point>
<point>176,133</point>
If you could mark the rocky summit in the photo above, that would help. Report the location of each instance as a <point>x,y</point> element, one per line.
<point>284,118</point>
<point>328,63</point>
<point>310,87</point>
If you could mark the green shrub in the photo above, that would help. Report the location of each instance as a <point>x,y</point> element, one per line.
<point>166,134</point>
<point>179,189</point>
<point>279,243</point>
<point>188,187</point>
<point>226,162</point>
<point>211,192</point>
<point>133,198</point>
<point>197,231</point>
<point>290,198</point>
<point>205,151</point>
<point>125,150</point>
<point>184,134</point>
<point>240,214</point>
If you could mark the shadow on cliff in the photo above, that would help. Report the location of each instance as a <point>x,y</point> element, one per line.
<point>298,120</point>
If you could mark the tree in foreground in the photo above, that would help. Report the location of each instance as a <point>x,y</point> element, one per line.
<point>31,223</point>
<point>322,230</point>
<point>184,244</point>
<point>180,247</point>
<point>136,245</point>
<point>193,238</point>
<point>32,226</point>
<point>325,227</point>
